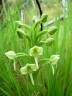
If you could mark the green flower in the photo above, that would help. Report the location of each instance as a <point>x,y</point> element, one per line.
<point>11,55</point>
<point>53,61</point>
<point>29,68</point>
<point>36,51</point>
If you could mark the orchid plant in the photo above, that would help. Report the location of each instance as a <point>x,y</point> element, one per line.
<point>36,43</point>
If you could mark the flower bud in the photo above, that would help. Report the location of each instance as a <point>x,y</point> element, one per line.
<point>52,30</point>
<point>21,33</point>
<point>49,41</point>
<point>44,18</point>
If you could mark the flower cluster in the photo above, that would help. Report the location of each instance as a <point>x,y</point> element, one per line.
<point>35,44</point>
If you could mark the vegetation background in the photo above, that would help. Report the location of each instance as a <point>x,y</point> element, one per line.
<point>13,83</point>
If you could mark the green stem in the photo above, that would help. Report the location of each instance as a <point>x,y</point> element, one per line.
<point>31,77</point>
<point>36,61</point>
<point>14,65</point>
<point>52,69</point>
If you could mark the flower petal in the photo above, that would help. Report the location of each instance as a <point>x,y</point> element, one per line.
<point>10,54</point>
<point>23,70</point>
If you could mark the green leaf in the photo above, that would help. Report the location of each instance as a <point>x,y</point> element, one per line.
<point>33,3</point>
